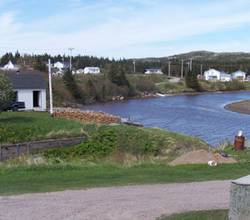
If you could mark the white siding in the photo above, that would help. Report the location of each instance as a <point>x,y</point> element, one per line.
<point>26,96</point>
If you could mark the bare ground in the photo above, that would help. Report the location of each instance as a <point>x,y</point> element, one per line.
<point>201,157</point>
<point>112,203</point>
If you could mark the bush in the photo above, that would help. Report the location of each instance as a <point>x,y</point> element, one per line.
<point>6,92</point>
<point>235,85</point>
<point>192,81</point>
<point>101,144</point>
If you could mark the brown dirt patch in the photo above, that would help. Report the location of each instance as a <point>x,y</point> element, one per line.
<point>201,157</point>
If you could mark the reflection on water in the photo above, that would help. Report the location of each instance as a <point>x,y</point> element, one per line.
<point>203,116</point>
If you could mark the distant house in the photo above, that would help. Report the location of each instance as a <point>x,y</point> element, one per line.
<point>212,74</point>
<point>61,65</point>
<point>225,77</point>
<point>79,71</point>
<point>239,75</point>
<point>9,66</point>
<point>91,70</point>
<point>29,88</point>
<point>153,71</point>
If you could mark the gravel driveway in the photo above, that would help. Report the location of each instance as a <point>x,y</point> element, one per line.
<point>144,202</point>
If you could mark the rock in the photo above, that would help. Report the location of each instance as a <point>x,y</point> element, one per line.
<point>240,199</point>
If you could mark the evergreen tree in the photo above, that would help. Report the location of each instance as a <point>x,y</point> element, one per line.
<point>116,75</point>
<point>192,81</point>
<point>71,84</point>
<point>6,92</point>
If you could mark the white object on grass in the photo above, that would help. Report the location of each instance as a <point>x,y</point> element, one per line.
<point>212,163</point>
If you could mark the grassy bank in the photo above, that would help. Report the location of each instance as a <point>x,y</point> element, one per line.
<point>27,126</point>
<point>199,215</point>
<point>55,177</point>
<point>110,142</point>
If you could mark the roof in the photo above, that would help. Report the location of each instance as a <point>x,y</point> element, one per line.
<point>27,80</point>
<point>91,67</point>
<point>238,72</point>
<point>153,69</point>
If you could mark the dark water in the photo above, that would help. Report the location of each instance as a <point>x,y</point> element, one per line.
<point>202,116</point>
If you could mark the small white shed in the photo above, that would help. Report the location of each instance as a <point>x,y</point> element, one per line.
<point>153,71</point>
<point>239,75</point>
<point>29,88</point>
<point>225,77</point>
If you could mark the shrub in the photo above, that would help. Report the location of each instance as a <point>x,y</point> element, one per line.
<point>6,92</point>
<point>192,81</point>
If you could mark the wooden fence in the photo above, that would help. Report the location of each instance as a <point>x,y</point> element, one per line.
<point>14,150</point>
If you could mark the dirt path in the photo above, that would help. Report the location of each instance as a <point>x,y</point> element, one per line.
<point>130,202</point>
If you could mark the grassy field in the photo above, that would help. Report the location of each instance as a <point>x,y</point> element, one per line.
<point>199,215</point>
<point>56,177</point>
<point>26,126</point>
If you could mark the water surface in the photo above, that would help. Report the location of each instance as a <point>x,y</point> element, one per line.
<point>202,116</point>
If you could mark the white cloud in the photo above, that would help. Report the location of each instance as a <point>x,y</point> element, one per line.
<point>118,30</point>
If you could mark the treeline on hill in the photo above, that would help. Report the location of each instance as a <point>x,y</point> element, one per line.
<point>227,63</point>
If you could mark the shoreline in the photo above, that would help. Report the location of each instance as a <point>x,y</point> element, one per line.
<point>242,107</point>
<point>157,96</point>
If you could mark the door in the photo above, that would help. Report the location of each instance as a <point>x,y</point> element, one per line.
<point>36,99</point>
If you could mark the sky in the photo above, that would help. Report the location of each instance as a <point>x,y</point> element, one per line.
<point>124,28</point>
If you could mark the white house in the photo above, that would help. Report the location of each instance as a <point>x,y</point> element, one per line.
<point>239,75</point>
<point>79,71</point>
<point>212,74</point>
<point>153,71</point>
<point>9,66</point>
<point>91,70</point>
<point>61,65</point>
<point>29,88</point>
<point>225,77</point>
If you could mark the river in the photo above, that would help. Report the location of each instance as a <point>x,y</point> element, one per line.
<point>200,115</point>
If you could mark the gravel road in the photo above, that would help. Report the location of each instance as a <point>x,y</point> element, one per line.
<point>144,202</point>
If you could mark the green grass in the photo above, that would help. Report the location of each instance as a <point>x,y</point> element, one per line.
<point>26,126</point>
<point>121,143</point>
<point>45,178</point>
<point>242,156</point>
<point>122,139</point>
<point>199,215</point>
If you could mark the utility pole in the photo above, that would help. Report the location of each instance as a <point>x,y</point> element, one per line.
<point>169,68</point>
<point>50,90</point>
<point>201,70</point>
<point>191,64</point>
<point>134,65</point>
<point>182,69</point>
<point>70,60</point>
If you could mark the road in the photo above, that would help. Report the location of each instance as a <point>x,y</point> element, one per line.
<point>145,202</point>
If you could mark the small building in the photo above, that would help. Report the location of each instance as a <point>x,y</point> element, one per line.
<point>91,70</point>
<point>61,65</point>
<point>79,71</point>
<point>153,71</point>
<point>9,66</point>
<point>225,77</point>
<point>29,88</point>
<point>212,75</point>
<point>239,75</point>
